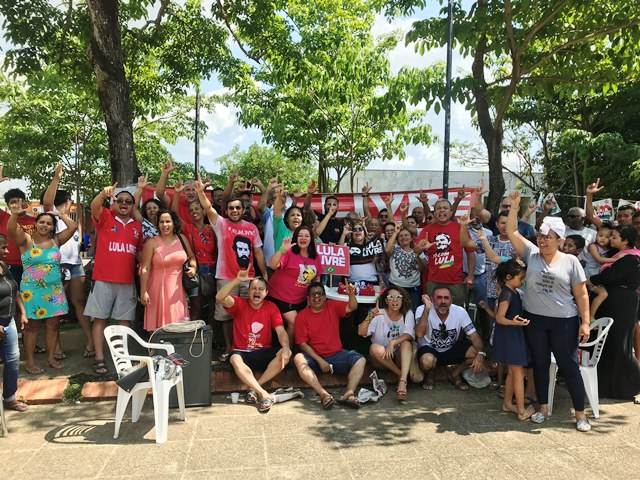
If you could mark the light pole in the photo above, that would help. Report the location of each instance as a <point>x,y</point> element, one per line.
<point>447,102</point>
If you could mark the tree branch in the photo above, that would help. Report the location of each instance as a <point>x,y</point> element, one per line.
<point>227,23</point>
<point>536,27</point>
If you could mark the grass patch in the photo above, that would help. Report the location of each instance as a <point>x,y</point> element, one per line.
<point>73,392</point>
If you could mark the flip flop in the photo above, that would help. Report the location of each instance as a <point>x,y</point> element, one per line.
<point>100,368</point>
<point>18,406</point>
<point>327,401</point>
<point>265,405</point>
<point>89,353</point>
<point>56,365</point>
<point>34,370</point>
<point>60,356</point>
<point>224,358</point>
<point>351,402</point>
<point>251,397</point>
<point>39,350</point>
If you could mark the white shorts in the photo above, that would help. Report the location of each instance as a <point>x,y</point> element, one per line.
<point>112,300</point>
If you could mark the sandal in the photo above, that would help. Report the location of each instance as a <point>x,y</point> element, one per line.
<point>402,394</point>
<point>224,358</point>
<point>34,370</point>
<point>17,406</point>
<point>39,350</point>
<point>56,365</point>
<point>60,356</point>
<point>538,417</point>
<point>251,397</point>
<point>265,405</point>
<point>327,401</point>
<point>100,368</point>
<point>351,401</point>
<point>89,353</point>
<point>459,383</point>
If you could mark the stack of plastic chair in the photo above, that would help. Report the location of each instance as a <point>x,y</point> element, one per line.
<point>117,337</point>
<point>588,370</point>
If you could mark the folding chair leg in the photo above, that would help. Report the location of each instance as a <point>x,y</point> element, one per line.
<point>590,379</point>
<point>3,420</point>
<point>180,393</point>
<point>161,411</point>
<point>137,403</point>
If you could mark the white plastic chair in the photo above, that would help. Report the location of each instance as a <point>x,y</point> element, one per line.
<point>117,337</point>
<point>589,371</point>
<point>3,421</point>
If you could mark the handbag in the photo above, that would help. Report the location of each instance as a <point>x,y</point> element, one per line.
<point>207,282</point>
<point>188,283</point>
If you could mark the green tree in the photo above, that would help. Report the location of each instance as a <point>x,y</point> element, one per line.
<point>319,87</point>
<point>526,48</point>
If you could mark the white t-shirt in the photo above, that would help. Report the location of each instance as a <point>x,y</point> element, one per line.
<point>457,321</point>
<point>383,330</point>
<point>70,251</point>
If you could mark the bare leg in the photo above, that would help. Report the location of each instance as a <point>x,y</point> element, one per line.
<point>227,332</point>
<point>30,337</point>
<point>530,391</point>
<point>427,364</point>
<point>289,321</point>
<point>51,339</point>
<point>273,369</point>
<point>308,375</point>
<point>355,375</point>
<point>518,389</point>
<point>245,375</point>
<point>507,405</point>
<point>76,294</point>
<point>98,327</point>
<point>377,351</point>
<point>601,296</point>
<point>406,352</point>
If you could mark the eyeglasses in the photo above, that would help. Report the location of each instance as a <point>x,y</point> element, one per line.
<point>355,230</point>
<point>505,206</point>
<point>540,236</point>
<point>126,201</point>
<point>443,331</point>
<point>235,207</point>
<point>394,297</point>
<point>317,294</point>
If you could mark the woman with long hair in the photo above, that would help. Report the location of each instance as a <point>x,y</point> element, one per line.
<point>296,265</point>
<point>41,286</point>
<point>405,266</point>
<point>392,331</point>
<point>163,257</point>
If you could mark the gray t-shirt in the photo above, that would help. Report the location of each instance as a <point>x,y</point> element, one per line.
<point>548,287</point>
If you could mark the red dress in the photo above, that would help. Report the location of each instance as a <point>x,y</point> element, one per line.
<point>168,300</point>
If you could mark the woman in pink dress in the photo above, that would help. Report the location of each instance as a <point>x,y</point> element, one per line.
<point>163,257</point>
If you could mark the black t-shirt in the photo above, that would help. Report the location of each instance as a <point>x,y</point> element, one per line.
<point>8,289</point>
<point>333,230</point>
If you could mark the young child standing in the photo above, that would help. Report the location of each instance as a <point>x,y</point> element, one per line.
<point>509,344</point>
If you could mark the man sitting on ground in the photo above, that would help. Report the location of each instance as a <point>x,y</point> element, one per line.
<point>253,321</point>
<point>438,335</point>
<point>317,334</point>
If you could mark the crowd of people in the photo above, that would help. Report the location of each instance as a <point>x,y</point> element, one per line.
<point>260,277</point>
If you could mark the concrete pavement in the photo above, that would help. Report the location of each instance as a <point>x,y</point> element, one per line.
<point>441,434</point>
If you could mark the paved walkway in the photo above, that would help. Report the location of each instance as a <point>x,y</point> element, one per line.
<point>442,434</point>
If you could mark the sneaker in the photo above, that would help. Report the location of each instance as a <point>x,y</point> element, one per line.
<point>538,417</point>
<point>583,425</point>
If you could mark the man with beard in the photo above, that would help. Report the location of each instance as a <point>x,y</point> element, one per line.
<point>438,333</point>
<point>254,320</point>
<point>442,239</point>
<point>238,243</point>
<point>333,230</point>
<point>118,245</point>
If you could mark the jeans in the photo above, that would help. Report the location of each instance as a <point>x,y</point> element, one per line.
<point>560,336</point>
<point>10,353</point>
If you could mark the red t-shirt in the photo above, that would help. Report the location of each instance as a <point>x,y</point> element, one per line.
<point>445,256</point>
<point>321,330</point>
<point>27,224</point>
<point>236,242</point>
<point>115,257</point>
<point>253,329</point>
<point>202,242</point>
<point>290,282</point>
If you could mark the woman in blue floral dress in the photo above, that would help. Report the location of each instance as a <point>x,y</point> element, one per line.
<point>41,285</point>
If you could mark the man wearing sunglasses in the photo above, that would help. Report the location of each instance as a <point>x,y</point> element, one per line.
<point>317,335</point>
<point>489,219</point>
<point>438,330</point>
<point>118,244</point>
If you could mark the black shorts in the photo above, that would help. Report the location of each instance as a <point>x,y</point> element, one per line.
<point>258,359</point>
<point>285,307</point>
<point>454,356</point>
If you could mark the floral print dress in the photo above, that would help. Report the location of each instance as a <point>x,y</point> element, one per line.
<point>41,287</point>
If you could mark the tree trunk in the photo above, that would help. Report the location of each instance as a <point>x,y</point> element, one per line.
<point>492,135</point>
<point>105,54</point>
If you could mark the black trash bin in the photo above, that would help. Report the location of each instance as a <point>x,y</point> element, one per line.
<point>197,375</point>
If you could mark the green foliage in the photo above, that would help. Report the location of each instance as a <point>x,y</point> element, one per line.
<point>264,163</point>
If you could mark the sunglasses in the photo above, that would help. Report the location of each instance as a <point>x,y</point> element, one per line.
<point>235,207</point>
<point>443,331</point>
<point>317,294</point>
<point>355,230</point>
<point>505,206</point>
<point>126,201</point>
<point>394,297</point>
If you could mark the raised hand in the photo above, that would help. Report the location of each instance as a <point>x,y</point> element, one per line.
<point>243,275</point>
<point>109,192</point>
<point>179,186</point>
<point>426,301</point>
<point>297,193</point>
<point>404,206</point>
<point>199,185</point>
<point>286,245</point>
<point>388,201</point>
<point>346,230</point>
<point>273,183</point>
<point>424,244</point>
<point>423,197</point>
<point>234,177</point>
<point>462,193</point>
<point>594,187</point>
<point>143,181</point>
<point>480,190</point>
<point>366,189</point>
<point>350,288</point>
<point>465,220</point>
<point>311,189</point>
<point>480,234</point>
<point>168,167</point>
<point>515,196</point>
<point>17,208</point>
<point>533,206</point>
<point>332,209</point>
<point>375,311</point>
<point>57,173</point>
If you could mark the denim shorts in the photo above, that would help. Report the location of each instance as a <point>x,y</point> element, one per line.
<point>70,270</point>
<point>342,361</point>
